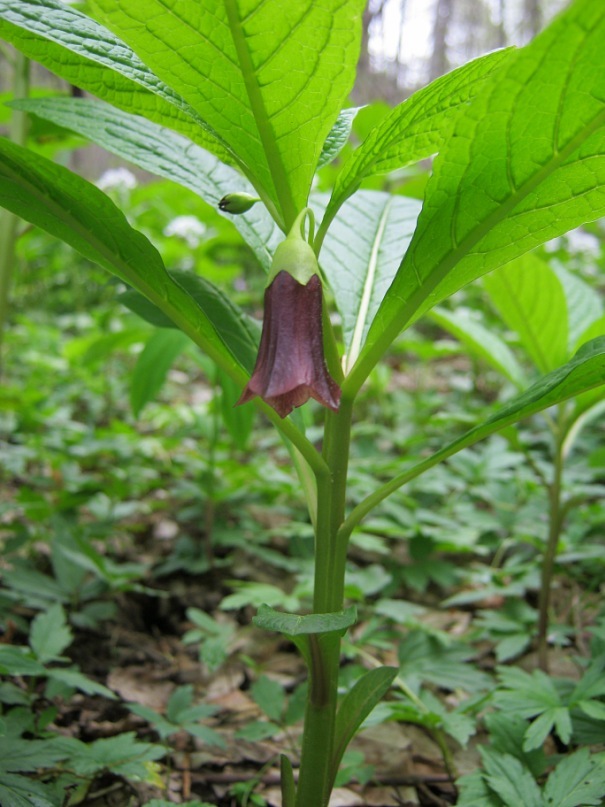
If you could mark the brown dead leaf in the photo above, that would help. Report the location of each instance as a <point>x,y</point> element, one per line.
<point>228,679</point>
<point>389,796</point>
<point>237,702</point>
<point>387,747</point>
<point>139,685</point>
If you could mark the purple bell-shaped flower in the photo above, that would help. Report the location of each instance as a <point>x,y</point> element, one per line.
<point>290,366</point>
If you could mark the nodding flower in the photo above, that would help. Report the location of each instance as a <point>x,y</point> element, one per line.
<point>290,365</point>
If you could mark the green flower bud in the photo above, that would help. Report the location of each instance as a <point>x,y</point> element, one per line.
<point>237,203</point>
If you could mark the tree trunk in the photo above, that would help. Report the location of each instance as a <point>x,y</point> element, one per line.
<point>533,17</point>
<point>439,63</point>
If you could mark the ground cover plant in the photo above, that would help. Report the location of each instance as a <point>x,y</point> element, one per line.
<point>241,103</point>
<point>526,292</point>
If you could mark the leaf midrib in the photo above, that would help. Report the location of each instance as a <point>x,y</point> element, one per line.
<point>263,122</point>
<point>364,304</point>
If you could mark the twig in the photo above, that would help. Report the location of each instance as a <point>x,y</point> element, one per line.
<point>411,780</point>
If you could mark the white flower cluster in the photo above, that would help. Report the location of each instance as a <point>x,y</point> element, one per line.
<point>118,179</point>
<point>189,228</point>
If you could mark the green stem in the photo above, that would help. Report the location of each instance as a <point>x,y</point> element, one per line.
<point>333,207</point>
<point>316,775</point>
<point>9,223</point>
<point>323,230</point>
<point>330,552</point>
<point>555,524</point>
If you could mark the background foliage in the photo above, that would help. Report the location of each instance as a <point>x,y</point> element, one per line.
<point>143,519</point>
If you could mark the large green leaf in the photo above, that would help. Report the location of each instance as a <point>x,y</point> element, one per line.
<point>552,311</point>
<point>360,256</point>
<point>164,153</point>
<point>548,308</point>
<point>269,76</point>
<point>530,299</point>
<point>524,163</point>
<point>415,129</point>
<point>80,214</point>
<point>480,341</point>
<point>86,54</point>
<point>584,372</point>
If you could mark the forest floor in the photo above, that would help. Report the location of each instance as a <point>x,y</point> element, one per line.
<point>141,657</point>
